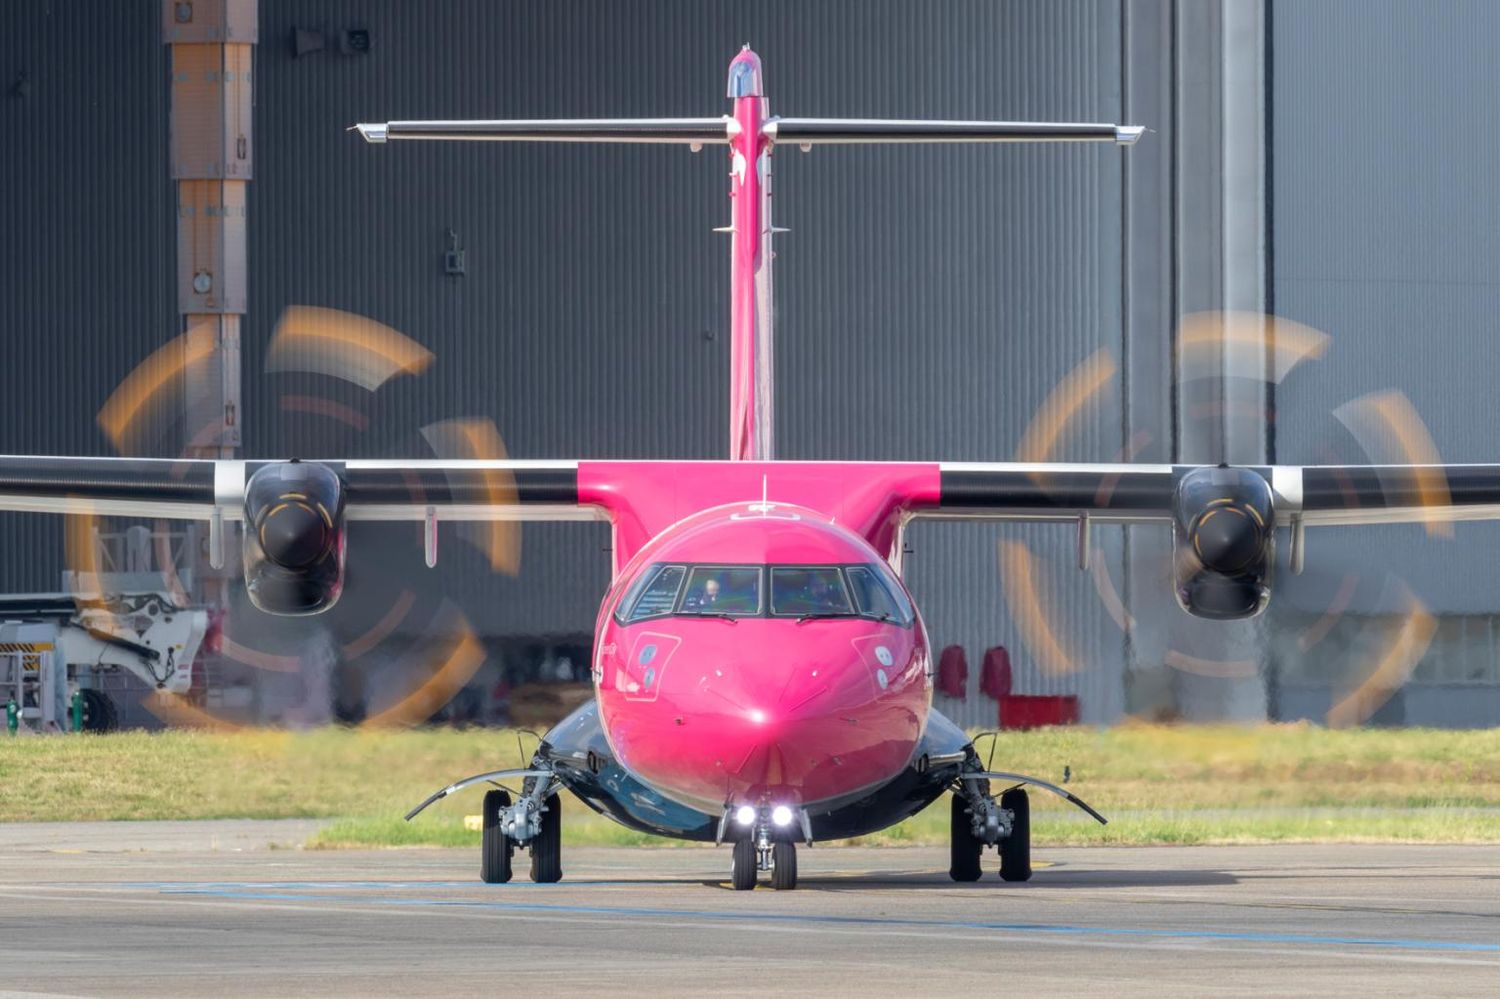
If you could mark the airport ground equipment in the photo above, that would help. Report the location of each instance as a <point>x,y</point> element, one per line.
<point>54,646</point>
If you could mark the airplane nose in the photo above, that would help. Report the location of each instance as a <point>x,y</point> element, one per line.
<point>794,734</point>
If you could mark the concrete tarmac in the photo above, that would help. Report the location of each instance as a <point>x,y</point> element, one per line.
<point>86,918</point>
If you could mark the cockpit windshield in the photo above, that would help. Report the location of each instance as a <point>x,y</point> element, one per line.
<point>735,591</point>
<point>797,591</point>
<point>715,589</point>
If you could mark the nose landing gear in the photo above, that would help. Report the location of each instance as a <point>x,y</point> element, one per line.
<point>750,858</point>
<point>760,851</point>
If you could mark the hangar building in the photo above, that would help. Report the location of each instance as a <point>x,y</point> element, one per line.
<point>1303,160</point>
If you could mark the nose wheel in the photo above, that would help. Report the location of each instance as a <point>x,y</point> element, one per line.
<point>784,866</point>
<point>752,857</point>
<point>746,868</point>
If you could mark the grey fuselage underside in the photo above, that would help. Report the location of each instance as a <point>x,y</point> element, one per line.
<point>578,753</point>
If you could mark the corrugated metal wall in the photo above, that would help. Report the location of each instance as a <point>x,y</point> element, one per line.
<point>1387,238</point>
<point>928,299</point>
<point>87,213</point>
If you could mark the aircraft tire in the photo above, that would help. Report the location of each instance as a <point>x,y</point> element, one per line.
<point>99,713</point>
<point>546,849</point>
<point>1015,849</point>
<point>744,873</point>
<point>784,866</point>
<point>965,851</point>
<point>494,846</point>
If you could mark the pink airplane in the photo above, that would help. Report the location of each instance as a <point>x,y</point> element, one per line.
<point>763,677</point>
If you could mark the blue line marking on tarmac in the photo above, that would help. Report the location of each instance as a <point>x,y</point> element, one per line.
<point>801,918</point>
<point>188,886</point>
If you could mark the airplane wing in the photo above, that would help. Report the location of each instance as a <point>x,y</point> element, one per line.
<point>1313,495</point>
<point>374,490</point>
<point>1223,518</point>
<point>381,489</point>
<point>295,512</point>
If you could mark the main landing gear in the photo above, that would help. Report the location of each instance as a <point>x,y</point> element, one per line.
<point>534,822</point>
<point>977,820</point>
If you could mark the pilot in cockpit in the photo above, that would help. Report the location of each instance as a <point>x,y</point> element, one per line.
<point>706,599</point>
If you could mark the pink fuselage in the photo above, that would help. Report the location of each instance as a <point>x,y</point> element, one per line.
<point>759,710</point>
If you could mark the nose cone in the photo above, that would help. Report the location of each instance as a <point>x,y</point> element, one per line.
<point>1227,539</point>
<point>797,729</point>
<point>294,535</point>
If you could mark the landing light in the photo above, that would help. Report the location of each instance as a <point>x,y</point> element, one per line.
<point>744,815</point>
<point>781,815</point>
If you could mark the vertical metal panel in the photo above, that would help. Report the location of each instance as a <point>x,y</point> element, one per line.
<point>86,282</point>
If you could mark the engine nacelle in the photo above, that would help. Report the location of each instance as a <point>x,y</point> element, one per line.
<point>294,538</point>
<point>1223,542</point>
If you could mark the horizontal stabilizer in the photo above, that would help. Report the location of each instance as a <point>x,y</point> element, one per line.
<point>845,131</point>
<point>688,131</point>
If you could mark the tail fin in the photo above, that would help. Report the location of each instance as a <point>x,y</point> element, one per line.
<point>751,134</point>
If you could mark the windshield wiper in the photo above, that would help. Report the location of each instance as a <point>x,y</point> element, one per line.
<point>820,615</point>
<point>721,615</point>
